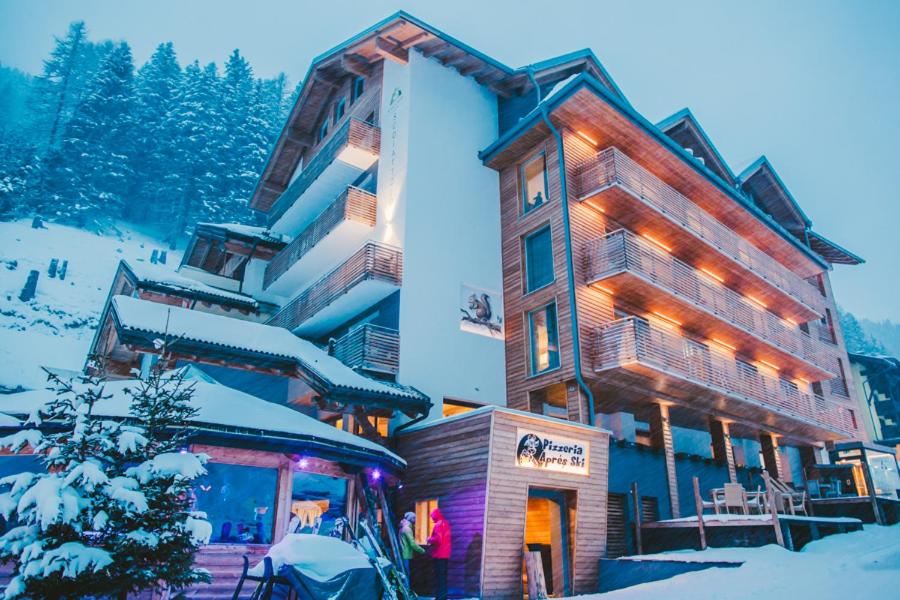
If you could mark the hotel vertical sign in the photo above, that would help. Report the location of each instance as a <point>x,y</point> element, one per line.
<point>551,452</point>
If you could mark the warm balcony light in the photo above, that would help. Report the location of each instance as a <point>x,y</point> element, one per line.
<point>791,322</point>
<point>757,301</point>
<point>657,242</point>
<point>603,289</point>
<point>586,138</point>
<point>724,345</point>
<point>770,365</point>
<point>667,318</point>
<point>713,275</point>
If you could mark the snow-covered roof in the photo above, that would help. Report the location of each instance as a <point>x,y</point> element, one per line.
<point>159,276</point>
<point>250,231</point>
<point>219,407</point>
<point>154,318</point>
<point>488,408</point>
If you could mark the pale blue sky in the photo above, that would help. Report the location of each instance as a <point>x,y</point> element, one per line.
<point>814,85</point>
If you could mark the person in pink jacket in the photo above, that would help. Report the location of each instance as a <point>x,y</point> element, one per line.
<point>439,548</point>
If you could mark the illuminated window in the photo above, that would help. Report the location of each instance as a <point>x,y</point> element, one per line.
<point>534,182</point>
<point>458,407</point>
<point>538,259</point>
<point>544,339</point>
<point>339,109</point>
<point>359,86</point>
<point>423,519</point>
<point>380,424</point>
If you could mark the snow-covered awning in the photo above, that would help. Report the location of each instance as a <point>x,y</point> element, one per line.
<point>248,232</point>
<point>164,279</point>
<point>224,411</point>
<point>143,321</point>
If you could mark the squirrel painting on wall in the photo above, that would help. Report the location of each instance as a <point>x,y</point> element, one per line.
<point>477,312</point>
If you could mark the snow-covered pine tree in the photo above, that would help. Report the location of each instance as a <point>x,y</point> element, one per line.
<point>855,338</point>
<point>91,175</point>
<point>237,101</point>
<point>158,176</point>
<point>111,513</point>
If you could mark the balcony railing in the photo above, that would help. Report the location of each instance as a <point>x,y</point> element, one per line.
<point>612,167</point>
<point>371,348</point>
<point>623,251</point>
<point>374,261</point>
<point>353,204</point>
<point>355,134</point>
<point>632,340</point>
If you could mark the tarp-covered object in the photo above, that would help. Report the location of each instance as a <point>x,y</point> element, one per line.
<point>322,567</point>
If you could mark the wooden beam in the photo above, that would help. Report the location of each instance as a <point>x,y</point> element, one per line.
<point>698,504</point>
<point>356,64</point>
<point>389,50</point>
<point>272,186</point>
<point>419,37</point>
<point>298,137</point>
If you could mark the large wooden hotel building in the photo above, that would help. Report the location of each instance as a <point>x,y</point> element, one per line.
<point>465,261</point>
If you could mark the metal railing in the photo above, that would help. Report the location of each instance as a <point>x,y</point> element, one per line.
<point>370,347</point>
<point>622,251</point>
<point>613,167</point>
<point>373,261</point>
<point>631,340</point>
<point>353,204</point>
<point>355,132</point>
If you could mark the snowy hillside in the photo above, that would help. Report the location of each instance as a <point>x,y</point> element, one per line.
<point>55,328</point>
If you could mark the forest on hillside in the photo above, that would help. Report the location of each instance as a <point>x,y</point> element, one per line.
<point>93,139</point>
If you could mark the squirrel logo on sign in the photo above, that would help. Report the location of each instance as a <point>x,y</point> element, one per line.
<point>530,450</point>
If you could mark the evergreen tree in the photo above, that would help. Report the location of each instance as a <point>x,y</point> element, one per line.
<point>855,338</point>
<point>155,168</point>
<point>111,514</point>
<point>91,175</point>
<point>238,97</point>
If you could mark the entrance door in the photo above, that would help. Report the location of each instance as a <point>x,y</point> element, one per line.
<point>548,530</point>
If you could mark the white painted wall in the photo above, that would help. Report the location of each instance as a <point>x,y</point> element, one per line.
<point>440,204</point>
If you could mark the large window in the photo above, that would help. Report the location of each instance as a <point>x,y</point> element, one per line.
<point>534,182</point>
<point>239,502</point>
<point>317,502</point>
<point>538,259</point>
<point>544,339</point>
<point>423,519</point>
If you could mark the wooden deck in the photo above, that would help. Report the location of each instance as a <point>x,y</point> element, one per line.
<point>741,531</point>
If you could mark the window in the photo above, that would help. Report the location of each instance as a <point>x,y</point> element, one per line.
<point>359,86</point>
<point>340,108</point>
<point>544,339</point>
<point>550,401</point>
<point>538,259</point>
<point>423,519</point>
<point>323,130</point>
<point>534,182</point>
<point>457,407</point>
<point>317,501</point>
<point>239,502</point>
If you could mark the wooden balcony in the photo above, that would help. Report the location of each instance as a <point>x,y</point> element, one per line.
<point>340,227</point>
<point>644,359</point>
<point>644,275</point>
<point>638,200</point>
<point>370,348</point>
<point>351,150</point>
<point>370,275</point>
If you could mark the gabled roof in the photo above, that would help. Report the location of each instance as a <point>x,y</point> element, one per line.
<point>830,251</point>
<point>768,191</point>
<point>142,322</point>
<point>530,129</point>
<point>686,131</point>
<point>392,38</point>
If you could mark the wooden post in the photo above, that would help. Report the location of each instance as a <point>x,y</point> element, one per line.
<point>720,433</point>
<point>698,502</point>
<point>534,570</point>
<point>661,439</point>
<point>773,508</point>
<point>876,508</point>
<point>636,502</point>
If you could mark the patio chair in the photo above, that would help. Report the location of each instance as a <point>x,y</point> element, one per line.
<point>756,501</point>
<point>788,498</point>
<point>735,498</point>
<point>716,502</point>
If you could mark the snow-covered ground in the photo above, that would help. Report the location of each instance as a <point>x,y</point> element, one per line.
<point>863,564</point>
<point>55,328</point>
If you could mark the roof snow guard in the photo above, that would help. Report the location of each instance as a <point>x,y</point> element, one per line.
<point>226,413</point>
<point>141,322</point>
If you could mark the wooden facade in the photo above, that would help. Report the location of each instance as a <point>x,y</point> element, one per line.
<point>468,464</point>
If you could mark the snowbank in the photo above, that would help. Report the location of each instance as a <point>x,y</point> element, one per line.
<point>318,556</point>
<point>862,564</point>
